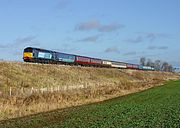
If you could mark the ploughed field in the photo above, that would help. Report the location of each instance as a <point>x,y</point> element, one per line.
<point>27,88</point>
<point>156,107</point>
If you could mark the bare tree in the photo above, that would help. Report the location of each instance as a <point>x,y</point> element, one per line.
<point>150,63</point>
<point>165,67</point>
<point>171,69</point>
<point>157,65</point>
<point>142,61</point>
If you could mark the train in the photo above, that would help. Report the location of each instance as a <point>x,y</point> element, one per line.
<point>38,55</point>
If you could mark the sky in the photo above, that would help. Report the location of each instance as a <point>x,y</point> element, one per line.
<point>122,30</point>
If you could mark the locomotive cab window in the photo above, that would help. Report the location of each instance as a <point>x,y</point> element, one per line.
<point>28,50</point>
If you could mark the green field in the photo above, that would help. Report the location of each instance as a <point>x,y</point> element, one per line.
<point>157,107</point>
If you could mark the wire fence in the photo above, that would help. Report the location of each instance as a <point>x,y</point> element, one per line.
<point>22,91</point>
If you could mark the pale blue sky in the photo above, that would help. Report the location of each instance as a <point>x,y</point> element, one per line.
<point>122,30</point>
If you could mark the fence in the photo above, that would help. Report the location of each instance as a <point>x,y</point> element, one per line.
<point>15,91</point>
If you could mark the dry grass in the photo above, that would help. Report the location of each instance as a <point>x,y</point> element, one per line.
<point>37,75</point>
<point>102,84</point>
<point>20,106</point>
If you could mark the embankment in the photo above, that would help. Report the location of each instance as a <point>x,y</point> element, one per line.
<point>32,88</point>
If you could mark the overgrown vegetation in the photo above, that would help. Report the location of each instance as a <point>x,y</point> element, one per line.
<point>102,84</point>
<point>157,107</point>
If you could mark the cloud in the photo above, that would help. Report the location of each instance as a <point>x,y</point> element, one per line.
<point>163,48</point>
<point>90,39</point>
<point>111,27</point>
<point>97,26</point>
<point>91,25</point>
<point>64,48</point>
<point>157,47</point>
<point>152,36</point>
<point>28,40</point>
<point>152,48</point>
<point>147,36</point>
<point>3,46</point>
<point>62,4</point>
<point>6,46</point>
<point>136,40</point>
<point>129,53</point>
<point>24,40</point>
<point>112,50</point>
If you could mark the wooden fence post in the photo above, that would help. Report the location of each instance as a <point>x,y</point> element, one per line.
<point>51,89</point>
<point>10,91</point>
<point>31,90</point>
<point>22,90</point>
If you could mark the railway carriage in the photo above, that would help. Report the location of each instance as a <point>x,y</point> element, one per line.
<point>64,58</point>
<point>83,60</point>
<point>132,66</point>
<point>96,62</point>
<point>116,64</point>
<point>146,68</point>
<point>106,63</point>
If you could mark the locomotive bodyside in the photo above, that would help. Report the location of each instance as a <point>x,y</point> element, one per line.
<point>38,55</point>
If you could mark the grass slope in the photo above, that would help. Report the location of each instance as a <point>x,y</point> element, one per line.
<point>157,107</point>
<point>14,74</point>
<point>99,84</point>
